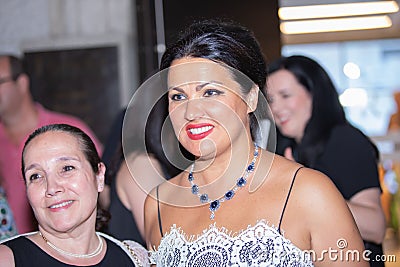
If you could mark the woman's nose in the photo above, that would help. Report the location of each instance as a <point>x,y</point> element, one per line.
<point>53,185</point>
<point>193,109</point>
<point>275,106</point>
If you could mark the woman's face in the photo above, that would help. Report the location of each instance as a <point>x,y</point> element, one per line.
<point>290,102</point>
<point>206,108</point>
<point>61,185</point>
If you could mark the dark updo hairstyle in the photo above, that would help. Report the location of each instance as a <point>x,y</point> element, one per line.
<point>88,149</point>
<point>226,42</point>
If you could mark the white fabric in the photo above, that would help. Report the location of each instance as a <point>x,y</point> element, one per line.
<point>258,245</point>
<point>135,251</point>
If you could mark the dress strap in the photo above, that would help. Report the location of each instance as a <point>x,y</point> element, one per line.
<point>287,199</point>
<point>159,214</point>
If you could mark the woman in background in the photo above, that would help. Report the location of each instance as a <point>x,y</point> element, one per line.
<point>313,130</point>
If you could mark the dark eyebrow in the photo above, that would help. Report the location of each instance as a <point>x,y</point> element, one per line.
<point>32,166</point>
<point>62,159</point>
<point>198,87</point>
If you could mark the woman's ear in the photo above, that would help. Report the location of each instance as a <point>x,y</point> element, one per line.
<point>23,83</point>
<point>100,176</point>
<point>252,99</point>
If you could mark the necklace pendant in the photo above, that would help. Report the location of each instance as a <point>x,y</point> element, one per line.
<point>214,205</point>
<point>240,183</point>
<point>212,215</point>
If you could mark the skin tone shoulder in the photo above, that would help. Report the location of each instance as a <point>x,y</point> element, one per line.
<point>62,189</point>
<point>211,120</point>
<point>131,191</point>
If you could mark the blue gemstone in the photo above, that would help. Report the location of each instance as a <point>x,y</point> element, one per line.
<point>212,216</point>
<point>229,194</point>
<point>214,205</point>
<point>241,182</point>
<point>204,198</point>
<point>190,177</point>
<point>195,189</point>
<point>250,167</point>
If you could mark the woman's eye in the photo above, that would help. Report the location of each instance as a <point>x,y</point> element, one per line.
<point>270,99</point>
<point>177,97</point>
<point>212,92</point>
<point>34,177</point>
<point>68,168</point>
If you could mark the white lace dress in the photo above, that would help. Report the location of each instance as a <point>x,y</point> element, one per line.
<point>258,245</point>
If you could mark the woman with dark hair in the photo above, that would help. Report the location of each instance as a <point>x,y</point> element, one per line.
<point>63,175</point>
<point>237,204</point>
<point>313,131</point>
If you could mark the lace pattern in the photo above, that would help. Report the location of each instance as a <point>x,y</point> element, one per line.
<point>258,245</point>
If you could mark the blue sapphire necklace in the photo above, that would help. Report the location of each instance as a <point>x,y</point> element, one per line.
<point>240,182</point>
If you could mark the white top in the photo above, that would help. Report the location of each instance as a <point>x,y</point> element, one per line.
<point>258,245</point>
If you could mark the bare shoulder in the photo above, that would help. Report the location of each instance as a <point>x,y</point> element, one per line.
<point>142,169</point>
<point>152,199</point>
<point>143,164</point>
<point>319,203</point>
<point>6,256</point>
<point>315,187</point>
<point>313,181</point>
<point>318,190</point>
<point>140,159</point>
<point>155,202</point>
<point>150,216</point>
<point>312,187</point>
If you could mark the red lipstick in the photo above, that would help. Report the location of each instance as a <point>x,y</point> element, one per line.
<point>199,131</point>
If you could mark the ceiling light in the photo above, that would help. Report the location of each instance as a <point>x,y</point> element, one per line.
<point>334,25</point>
<point>352,70</point>
<point>354,97</point>
<point>337,10</point>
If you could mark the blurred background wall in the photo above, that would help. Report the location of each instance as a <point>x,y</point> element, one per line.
<point>87,57</point>
<point>81,55</point>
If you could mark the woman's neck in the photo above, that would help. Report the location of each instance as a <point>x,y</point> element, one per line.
<point>223,171</point>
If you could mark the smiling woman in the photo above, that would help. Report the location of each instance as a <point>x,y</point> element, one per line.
<point>314,131</point>
<point>212,213</point>
<point>63,176</point>
<point>215,98</point>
